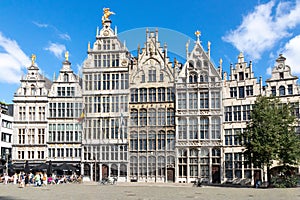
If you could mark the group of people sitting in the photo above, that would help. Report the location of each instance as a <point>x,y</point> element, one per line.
<point>39,179</point>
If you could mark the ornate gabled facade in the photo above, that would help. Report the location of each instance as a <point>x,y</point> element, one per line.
<point>198,89</point>
<point>140,118</point>
<point>105,94</point>
<point>284,86</point>
<point>30,118</point>
<point>282,83</point>
<point>65,107</point>
<point>239,94</point>
<point>151,105</point>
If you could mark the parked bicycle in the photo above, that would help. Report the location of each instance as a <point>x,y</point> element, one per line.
<point>197,183</point>
<point>109,181</point>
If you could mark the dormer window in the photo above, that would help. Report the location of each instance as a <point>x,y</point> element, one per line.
<point>281,75</point>
<point>193,78</point>
<point>281,90</point>
<point>161,77</point>
<point>241,76</point>
<point>66,78</point>
<point>152,75</point>
<point>273,91</point>
<point>290,89</point>
<point>32,90</point>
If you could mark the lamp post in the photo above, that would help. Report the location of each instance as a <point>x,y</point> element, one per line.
<point>6,164</point>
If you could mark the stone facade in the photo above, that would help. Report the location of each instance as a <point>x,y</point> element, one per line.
<point>106,96</point>
<point>64,136</point>
<point>151,105</point>
<point>144,118</point>
<point>198,89</point>
<point>30,118</point>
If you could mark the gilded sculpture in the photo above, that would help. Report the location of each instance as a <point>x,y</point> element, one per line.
<point>106,14</point>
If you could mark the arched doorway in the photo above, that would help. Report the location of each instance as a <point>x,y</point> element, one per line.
<point>86,170</point>
<point>104,171</point>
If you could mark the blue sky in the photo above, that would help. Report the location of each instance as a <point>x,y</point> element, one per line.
<point>260,28</point>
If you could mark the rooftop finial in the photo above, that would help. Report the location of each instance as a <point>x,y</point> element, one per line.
<point>106,14</point>
<point>198,34</point>
<point>33,58</point>
<point>67,55</point>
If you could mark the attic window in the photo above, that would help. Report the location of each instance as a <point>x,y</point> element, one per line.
<point>281,75</point>
<point>66,78</point>
<point>241,76</point>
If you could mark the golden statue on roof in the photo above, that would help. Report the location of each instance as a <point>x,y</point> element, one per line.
<point>33,57</point>
<point>67,55</point>
<point>106,14</point>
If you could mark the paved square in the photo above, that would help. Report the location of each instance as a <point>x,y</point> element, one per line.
<point>142,191</point>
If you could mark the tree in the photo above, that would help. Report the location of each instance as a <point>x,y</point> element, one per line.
<point>270,134</point>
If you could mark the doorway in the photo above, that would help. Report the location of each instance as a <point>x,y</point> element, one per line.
<point>216,175</point>
<point>171,175</point>
<point>104,171</point>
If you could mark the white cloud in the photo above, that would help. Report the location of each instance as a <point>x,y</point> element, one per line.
<point>261,29</point>
<point>65,36</point>
<point>40,25</point>
<point>56,49</point>
<point>12,60</point>
<point>291,51</point>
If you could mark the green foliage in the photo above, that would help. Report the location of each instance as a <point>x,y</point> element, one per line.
<point>270,134</point>
<point>284,181</point>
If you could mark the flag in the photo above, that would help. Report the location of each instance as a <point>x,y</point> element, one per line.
<point>82,116</point>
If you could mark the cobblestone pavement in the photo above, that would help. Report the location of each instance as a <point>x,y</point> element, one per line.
<point>142,191</point>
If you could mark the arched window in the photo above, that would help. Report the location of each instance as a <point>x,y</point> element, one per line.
<point>33,90</point>
<point>143,117</point>
<point>193,78</point>
<point>152,141</point>
<point>161,139</point>
<point>161,166</point>
<point>170,140</point>
<point>133,141</point>
<point>134,117</point>
<point>161,117</point>
<point>152,117</point>
<point>151,166</point>
<point>170,116</point>
<point>199,64</point>
<point>66,77</point>
<point>133,166</point>
<point>205,78</point>
<point>143,166</point>
<point>191,64</point>
<point>281,90</point>
<point>114,170</point>
<point>143,141</point>
<point>123,170</point>
<point>201,79</point>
